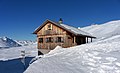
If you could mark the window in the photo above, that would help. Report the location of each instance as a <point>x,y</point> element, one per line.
<point>49,39</point>
<point>59,39</point>
<point>41,40</point>
<point>49,27</point>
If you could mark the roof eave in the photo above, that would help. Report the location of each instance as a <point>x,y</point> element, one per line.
<point>85,35</point>
<point>35,32</point>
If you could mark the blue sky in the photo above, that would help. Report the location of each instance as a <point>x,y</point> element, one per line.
<point>19,18</point>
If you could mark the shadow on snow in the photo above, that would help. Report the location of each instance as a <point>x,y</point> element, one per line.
<point>14,66</point>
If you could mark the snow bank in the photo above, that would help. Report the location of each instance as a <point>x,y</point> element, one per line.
<point>88,58</point>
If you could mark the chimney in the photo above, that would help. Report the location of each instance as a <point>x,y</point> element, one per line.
<point>60,21</point>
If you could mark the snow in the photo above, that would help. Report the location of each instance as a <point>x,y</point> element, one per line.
<point>75,30</point>
<point>25,42</point>
<point>15,52</point>
<point>105,30</point>
<point>10,49</point>
<point>117,63</point>
<point>93,57</point>
<point>7,42</point>
<point>10,55</point>
<point>101,56</point>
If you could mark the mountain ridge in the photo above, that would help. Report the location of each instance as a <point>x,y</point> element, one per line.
<point>6,42</point>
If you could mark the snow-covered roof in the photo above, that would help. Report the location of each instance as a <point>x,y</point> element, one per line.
<point>68,28</point>
<point>75,30</point>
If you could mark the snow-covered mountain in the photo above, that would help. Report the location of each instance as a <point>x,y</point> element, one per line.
<point>103,31</point>
<point>7,42</point>
<point>26,42</point>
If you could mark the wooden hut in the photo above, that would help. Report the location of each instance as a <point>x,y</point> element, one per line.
<point>50,34</point>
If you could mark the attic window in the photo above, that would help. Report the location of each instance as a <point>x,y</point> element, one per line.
<point>49,27</point>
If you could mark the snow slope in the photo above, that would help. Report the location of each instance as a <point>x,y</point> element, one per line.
<point>88,58</point>
<point>11,49</point>
<point>26,42</point>
<point>105,30</point>
<point>15,52</point>
<point>7,42</point>
<point>115,38</point>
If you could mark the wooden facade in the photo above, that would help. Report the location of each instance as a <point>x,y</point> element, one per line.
<point>51,34</point>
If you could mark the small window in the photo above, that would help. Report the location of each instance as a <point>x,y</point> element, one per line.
<point>41,40</point>
<point>59,39</point>
<point>49,27</point>
<point>49,39</point>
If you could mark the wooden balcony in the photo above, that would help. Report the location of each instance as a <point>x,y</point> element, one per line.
<point>50,32</point>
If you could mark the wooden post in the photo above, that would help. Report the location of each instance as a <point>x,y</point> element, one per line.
<point>74,40</point>
<point>65,43</point>
<point>87,39</point>
<point>48,46</point>
<point>91,39</point>
<point>23,58</point>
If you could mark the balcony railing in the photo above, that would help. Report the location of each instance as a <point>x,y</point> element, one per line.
<point>50,32</point>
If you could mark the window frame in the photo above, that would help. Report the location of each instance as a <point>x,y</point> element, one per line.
<point>40,40</point>
<point>59,39</point>
<point>49,40</point>
<point>49,26</point>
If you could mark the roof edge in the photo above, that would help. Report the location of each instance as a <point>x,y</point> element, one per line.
<point>47,20</point>
<point>39,27</point>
